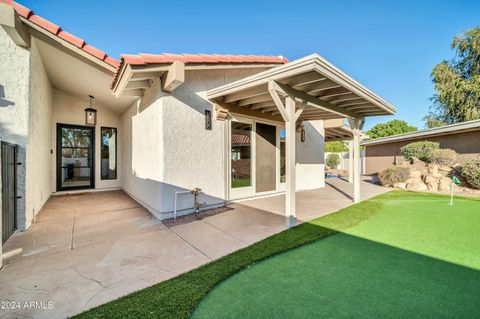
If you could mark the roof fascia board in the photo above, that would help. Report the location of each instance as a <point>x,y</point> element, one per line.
<point>68,45</point>
<point>122,80</point>
<point>193,66</point>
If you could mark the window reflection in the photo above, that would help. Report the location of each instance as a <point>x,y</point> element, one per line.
<point>109,153</point>
<point>241,154</point>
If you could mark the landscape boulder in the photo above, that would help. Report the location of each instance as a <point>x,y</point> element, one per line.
<point>432,168</point>
<point>416,185</point>
<point>400,185</point>
<point>432,186</point>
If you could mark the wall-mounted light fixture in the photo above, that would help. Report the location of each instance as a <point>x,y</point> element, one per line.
<point>208,119</point>
<point>90,114</point>
<point>302,135</point>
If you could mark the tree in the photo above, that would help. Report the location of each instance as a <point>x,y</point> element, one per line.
<point>333,160</point>
<point>432,121</point>
<point>392,127</point>
<point>335,147</point>
<point>457,83</point>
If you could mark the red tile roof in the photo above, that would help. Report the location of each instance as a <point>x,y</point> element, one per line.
<point>56,30</point>
<point>140,59</point>
<point>144,59</point>
<point>167,58</point>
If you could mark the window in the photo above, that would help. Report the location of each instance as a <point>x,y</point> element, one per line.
<point>240,154</point>
<point>109,153</point>
<point>283,178</point>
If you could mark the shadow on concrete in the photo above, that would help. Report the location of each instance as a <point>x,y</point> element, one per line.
<point>339,190</point>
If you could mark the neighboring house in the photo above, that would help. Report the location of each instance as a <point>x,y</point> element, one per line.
<point>164,122</point>
<point>462,137</point>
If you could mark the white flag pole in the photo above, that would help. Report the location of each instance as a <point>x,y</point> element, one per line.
<point>451,193</point>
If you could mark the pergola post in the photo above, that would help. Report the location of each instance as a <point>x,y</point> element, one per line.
<point>350,161</point>
<point>290,141</point>
<point>290,115</point>
<point>356,125</point>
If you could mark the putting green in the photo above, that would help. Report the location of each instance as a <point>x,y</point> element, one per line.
<point>418,257</point>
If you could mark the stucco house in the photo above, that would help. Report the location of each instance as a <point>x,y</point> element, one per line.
<point>462,137</point>
<point>160,125</point>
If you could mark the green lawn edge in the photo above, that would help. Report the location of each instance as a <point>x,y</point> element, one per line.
<point>179,296</point>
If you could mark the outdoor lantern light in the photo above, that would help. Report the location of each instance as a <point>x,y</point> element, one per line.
<point>302,135</point>
<point>90,114</point>
<point>208,120</point>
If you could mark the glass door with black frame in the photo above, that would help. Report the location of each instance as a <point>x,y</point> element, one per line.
<point>75,167</point>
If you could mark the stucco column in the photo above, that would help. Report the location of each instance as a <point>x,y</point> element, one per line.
<point>290,169</point>
<point>350,161</point>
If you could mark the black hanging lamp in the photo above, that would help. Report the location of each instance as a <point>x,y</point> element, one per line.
<point>90,114</point>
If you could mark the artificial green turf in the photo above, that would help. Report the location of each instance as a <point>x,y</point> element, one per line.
<point>417,258</point>
<point>179,296</point>
<point>241,182</point>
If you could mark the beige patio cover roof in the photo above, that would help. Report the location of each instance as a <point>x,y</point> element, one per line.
<point>324,90</point>
<point>336,130</point>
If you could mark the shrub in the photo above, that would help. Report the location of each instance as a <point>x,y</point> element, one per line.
<point>421,150</point>
<point>393,174</point>
<point>444,156</point>
<point>333,160</point>
<point>471,172</point>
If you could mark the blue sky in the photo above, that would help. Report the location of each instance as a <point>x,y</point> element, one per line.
<point>389,46</point>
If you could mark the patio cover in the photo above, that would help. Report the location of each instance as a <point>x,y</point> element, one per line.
<point>307,89</point>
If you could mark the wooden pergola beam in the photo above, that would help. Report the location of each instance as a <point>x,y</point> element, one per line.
<point>259,90</point>
<point>316,102</point>
<point>255,99</point>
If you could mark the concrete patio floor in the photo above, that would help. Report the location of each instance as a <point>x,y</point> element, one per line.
<point>84,250</point>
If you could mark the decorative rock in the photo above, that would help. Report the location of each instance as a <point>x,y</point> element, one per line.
<point>422,187</point>
<point>415,160</point>
<point>415,174</point>
<point>443,173</point>
<point>416,185</point>
<point>432,178</point>
<point>413,180</point>
<point>400,185</point>
<point>438,175</point>
<point>432,168</point>
<point>457,167</point>
<point>405,164</point>
<point>444,186</point>
<point>446,180</point>
<point>432,186</point>
<point>443,168</point>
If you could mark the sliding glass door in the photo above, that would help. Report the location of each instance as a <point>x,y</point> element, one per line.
<point>255,158</point>
<point>241,167</point>
<point>75,157</point>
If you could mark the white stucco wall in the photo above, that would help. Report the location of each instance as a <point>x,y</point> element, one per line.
<point>69,109</point>
<point>172,150</point>
<point>141,155</point>
<point>14,99</point>
<point>38,181</point>
<point>310,163</point>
